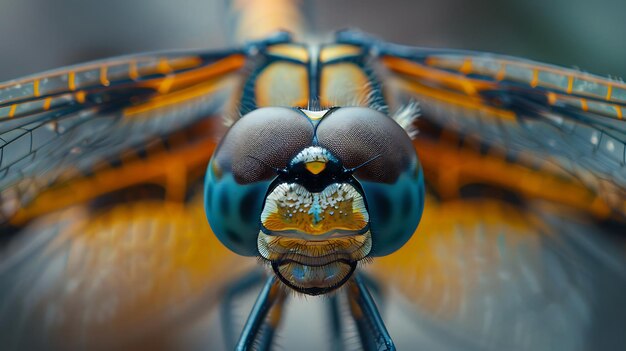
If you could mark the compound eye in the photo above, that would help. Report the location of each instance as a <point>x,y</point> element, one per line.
<point>357,135</point>
<point>243,168</point>
<point>392,181</point>
<point>262,141</point>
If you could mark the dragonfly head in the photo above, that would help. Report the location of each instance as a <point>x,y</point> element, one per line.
<point>314,193</point>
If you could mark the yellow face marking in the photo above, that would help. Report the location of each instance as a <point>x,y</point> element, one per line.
<point>338,51</point>
<point>346,219</point>
<point>315,167</point>
<point>103,76</point>
<point>292,207</point>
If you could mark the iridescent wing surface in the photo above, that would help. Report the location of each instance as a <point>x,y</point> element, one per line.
<point>563,122</point>
<point>98,171</point>
<point>72,123</point>
<point>521,243</point>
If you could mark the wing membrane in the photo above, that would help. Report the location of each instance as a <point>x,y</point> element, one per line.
<point>524,164</point>
<point>133,277</point>
<point>68,123</point>
<point>485,275</point>
<point>554,116</point>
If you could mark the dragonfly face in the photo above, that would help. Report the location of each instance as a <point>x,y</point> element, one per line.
<point>314,192</point>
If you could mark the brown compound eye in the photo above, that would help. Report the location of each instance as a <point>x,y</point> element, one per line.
<point>357,135</point>
<point>388,171</point>
<point>262,141</point>
<point>242,169</point>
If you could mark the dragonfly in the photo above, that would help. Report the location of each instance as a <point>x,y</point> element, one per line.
<point>482,196</point>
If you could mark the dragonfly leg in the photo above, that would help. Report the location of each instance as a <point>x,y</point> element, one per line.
<point>336,328</point>
<point>237,288</point>
<point>373,287</point>
<point>258,331</point>
<point>372,331</point>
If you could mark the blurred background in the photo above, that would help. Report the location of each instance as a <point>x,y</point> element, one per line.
<point>37,35</point>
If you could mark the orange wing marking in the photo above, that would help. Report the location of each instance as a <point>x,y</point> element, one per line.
<point>71,80</point>
<point>466,67</point>
<point>467,85</point>
<point>166,84</point>
<point>570,84</point>
<point>501,72</point>
<point>583,105</point>
<point>142,171</point>
<point>164,66</point>
<point>103,76</point>
<point>36,91</point>
<point>12,110</point>
<point>535,80</point>
<point>80,96</point>
<point>46,103</point>
<point>133,72</point>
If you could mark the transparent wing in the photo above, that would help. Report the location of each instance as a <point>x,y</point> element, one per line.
<point>521,243</point>
<point>483,274</point>
<point>137,276</point>
<point>72,123</point>
<point>564,122</point>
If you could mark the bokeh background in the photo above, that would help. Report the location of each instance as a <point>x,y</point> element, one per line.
<point>37,35</point>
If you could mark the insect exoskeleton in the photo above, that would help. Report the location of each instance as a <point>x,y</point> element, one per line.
<point>314,192</point>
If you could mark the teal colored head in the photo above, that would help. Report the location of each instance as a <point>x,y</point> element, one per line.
<point>313,192</point>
